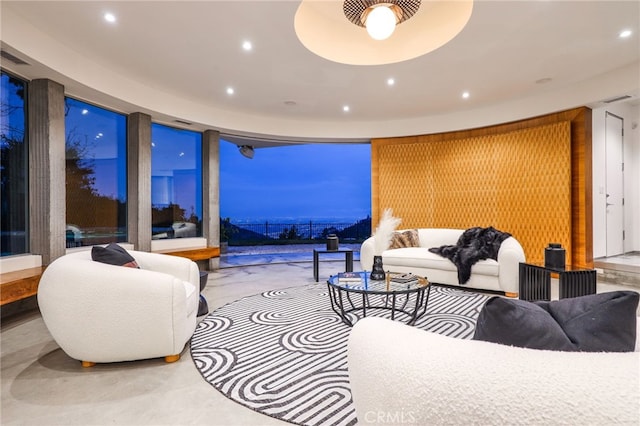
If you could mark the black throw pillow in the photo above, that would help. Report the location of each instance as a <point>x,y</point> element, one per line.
<point>604,322</point>
<point>113,254</point>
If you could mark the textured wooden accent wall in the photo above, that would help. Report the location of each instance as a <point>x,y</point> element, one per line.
<point>519,177</point>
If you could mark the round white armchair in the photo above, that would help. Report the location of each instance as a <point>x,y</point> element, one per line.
<point>98,312</point>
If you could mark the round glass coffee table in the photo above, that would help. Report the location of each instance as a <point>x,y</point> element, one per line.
<point>405,301</point>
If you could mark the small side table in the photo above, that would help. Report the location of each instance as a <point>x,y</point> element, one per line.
<point>203,306</point>
<point>348,261</point>
<point>535,281</point>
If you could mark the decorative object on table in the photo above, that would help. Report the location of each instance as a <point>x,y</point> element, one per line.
<point>377,273</point>
<point>349,277</point>
<point>383,235</point>
<point>332,242</point>
<point>554,256</point>
<point>403,278</point>
<point>262,337</point>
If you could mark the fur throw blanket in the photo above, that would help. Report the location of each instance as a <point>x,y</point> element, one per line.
<point>473,245</point>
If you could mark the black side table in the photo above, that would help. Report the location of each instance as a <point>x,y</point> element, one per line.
<point>203,306</point>
<point>348,261</point>
<point>535,281</point>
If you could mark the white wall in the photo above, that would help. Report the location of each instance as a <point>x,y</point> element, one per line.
<point>631,141</point>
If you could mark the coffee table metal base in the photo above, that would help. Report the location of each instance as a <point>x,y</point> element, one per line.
<point>410,305</point>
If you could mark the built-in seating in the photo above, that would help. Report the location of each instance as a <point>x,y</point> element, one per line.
<point>18,285</point>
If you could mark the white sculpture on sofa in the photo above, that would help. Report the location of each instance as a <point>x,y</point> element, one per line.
<point>98,312</point>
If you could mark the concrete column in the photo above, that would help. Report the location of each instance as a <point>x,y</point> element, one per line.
<point>47,194</point>
<point>139,180</point>
<point>211,191</point>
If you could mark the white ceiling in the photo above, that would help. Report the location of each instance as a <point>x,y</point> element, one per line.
<point>175,59</point>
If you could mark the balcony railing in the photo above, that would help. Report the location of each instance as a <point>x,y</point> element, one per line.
<point>287,233</point>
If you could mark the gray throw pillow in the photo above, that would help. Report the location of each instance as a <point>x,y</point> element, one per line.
<point>604,322</point>
<point>113,254</point>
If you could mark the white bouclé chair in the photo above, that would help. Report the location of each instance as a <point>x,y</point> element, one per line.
<point>99,313</point>
<point>403,375</point>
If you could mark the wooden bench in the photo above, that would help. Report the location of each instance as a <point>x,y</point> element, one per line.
<point>203,253</point>
<point>18,285</point>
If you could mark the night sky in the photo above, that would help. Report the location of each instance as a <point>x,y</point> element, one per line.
<point>305,182</point>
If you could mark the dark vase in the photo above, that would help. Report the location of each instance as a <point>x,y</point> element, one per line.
<point>377,273</point>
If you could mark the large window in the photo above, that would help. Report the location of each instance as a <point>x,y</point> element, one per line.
<point>14,169</point>
<point>176,182</point>
<point>96,174</point>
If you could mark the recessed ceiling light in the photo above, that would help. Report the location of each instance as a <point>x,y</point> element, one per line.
<point>346,108</point>
<point>230,91</point>
<point>390,82</point>
<point>543,80</point>
<point>290,103</point>
<point>110,17</point>
<point>465,95</point>
<point>625,33</point>
<point>246,45</point>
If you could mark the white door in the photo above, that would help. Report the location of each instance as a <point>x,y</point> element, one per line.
<point>614,184</point>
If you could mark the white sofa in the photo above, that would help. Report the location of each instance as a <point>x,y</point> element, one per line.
<point>500,275</point>
<point>403,375</point>
<point>104,313</point>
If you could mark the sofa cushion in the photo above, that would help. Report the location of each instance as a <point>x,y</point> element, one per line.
<point>604,322</point>
<point>113,254</point>
<point>401,239</point>
<point>421,257</point>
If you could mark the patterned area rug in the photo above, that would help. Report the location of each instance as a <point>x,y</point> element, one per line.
<point>283,353</point>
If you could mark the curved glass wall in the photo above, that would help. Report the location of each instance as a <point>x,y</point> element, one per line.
<point>14,170</point>
<point>176,183</point>
<point>96,174</point>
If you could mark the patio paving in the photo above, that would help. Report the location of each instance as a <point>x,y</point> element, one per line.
<point>290,253</point>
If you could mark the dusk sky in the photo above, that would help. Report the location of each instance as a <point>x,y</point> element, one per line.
<point>305,182</point>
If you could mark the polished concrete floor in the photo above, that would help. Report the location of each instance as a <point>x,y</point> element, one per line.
<point>41,385</point>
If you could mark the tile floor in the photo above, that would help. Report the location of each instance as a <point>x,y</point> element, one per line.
<point>40,385</point>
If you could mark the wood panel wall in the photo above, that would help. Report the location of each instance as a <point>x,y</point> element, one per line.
<point>531,178</point>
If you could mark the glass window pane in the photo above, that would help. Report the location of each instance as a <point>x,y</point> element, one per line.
<point>176,182</point>
<point>14,168</point>
<point>96,179</point>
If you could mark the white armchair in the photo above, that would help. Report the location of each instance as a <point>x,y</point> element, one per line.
<point>104,313</point>
<point>403,375</point>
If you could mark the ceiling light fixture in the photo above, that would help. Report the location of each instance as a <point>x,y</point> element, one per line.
<point>110,17</point>
<point>246,150</point>
<point>247,45</point>
<point>379,17</point>
<point>625,34</point>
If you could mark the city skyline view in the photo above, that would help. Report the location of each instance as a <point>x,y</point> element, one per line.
<point>293,183</point>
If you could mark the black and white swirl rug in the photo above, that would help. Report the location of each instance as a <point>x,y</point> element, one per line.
<point>283,353</point>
